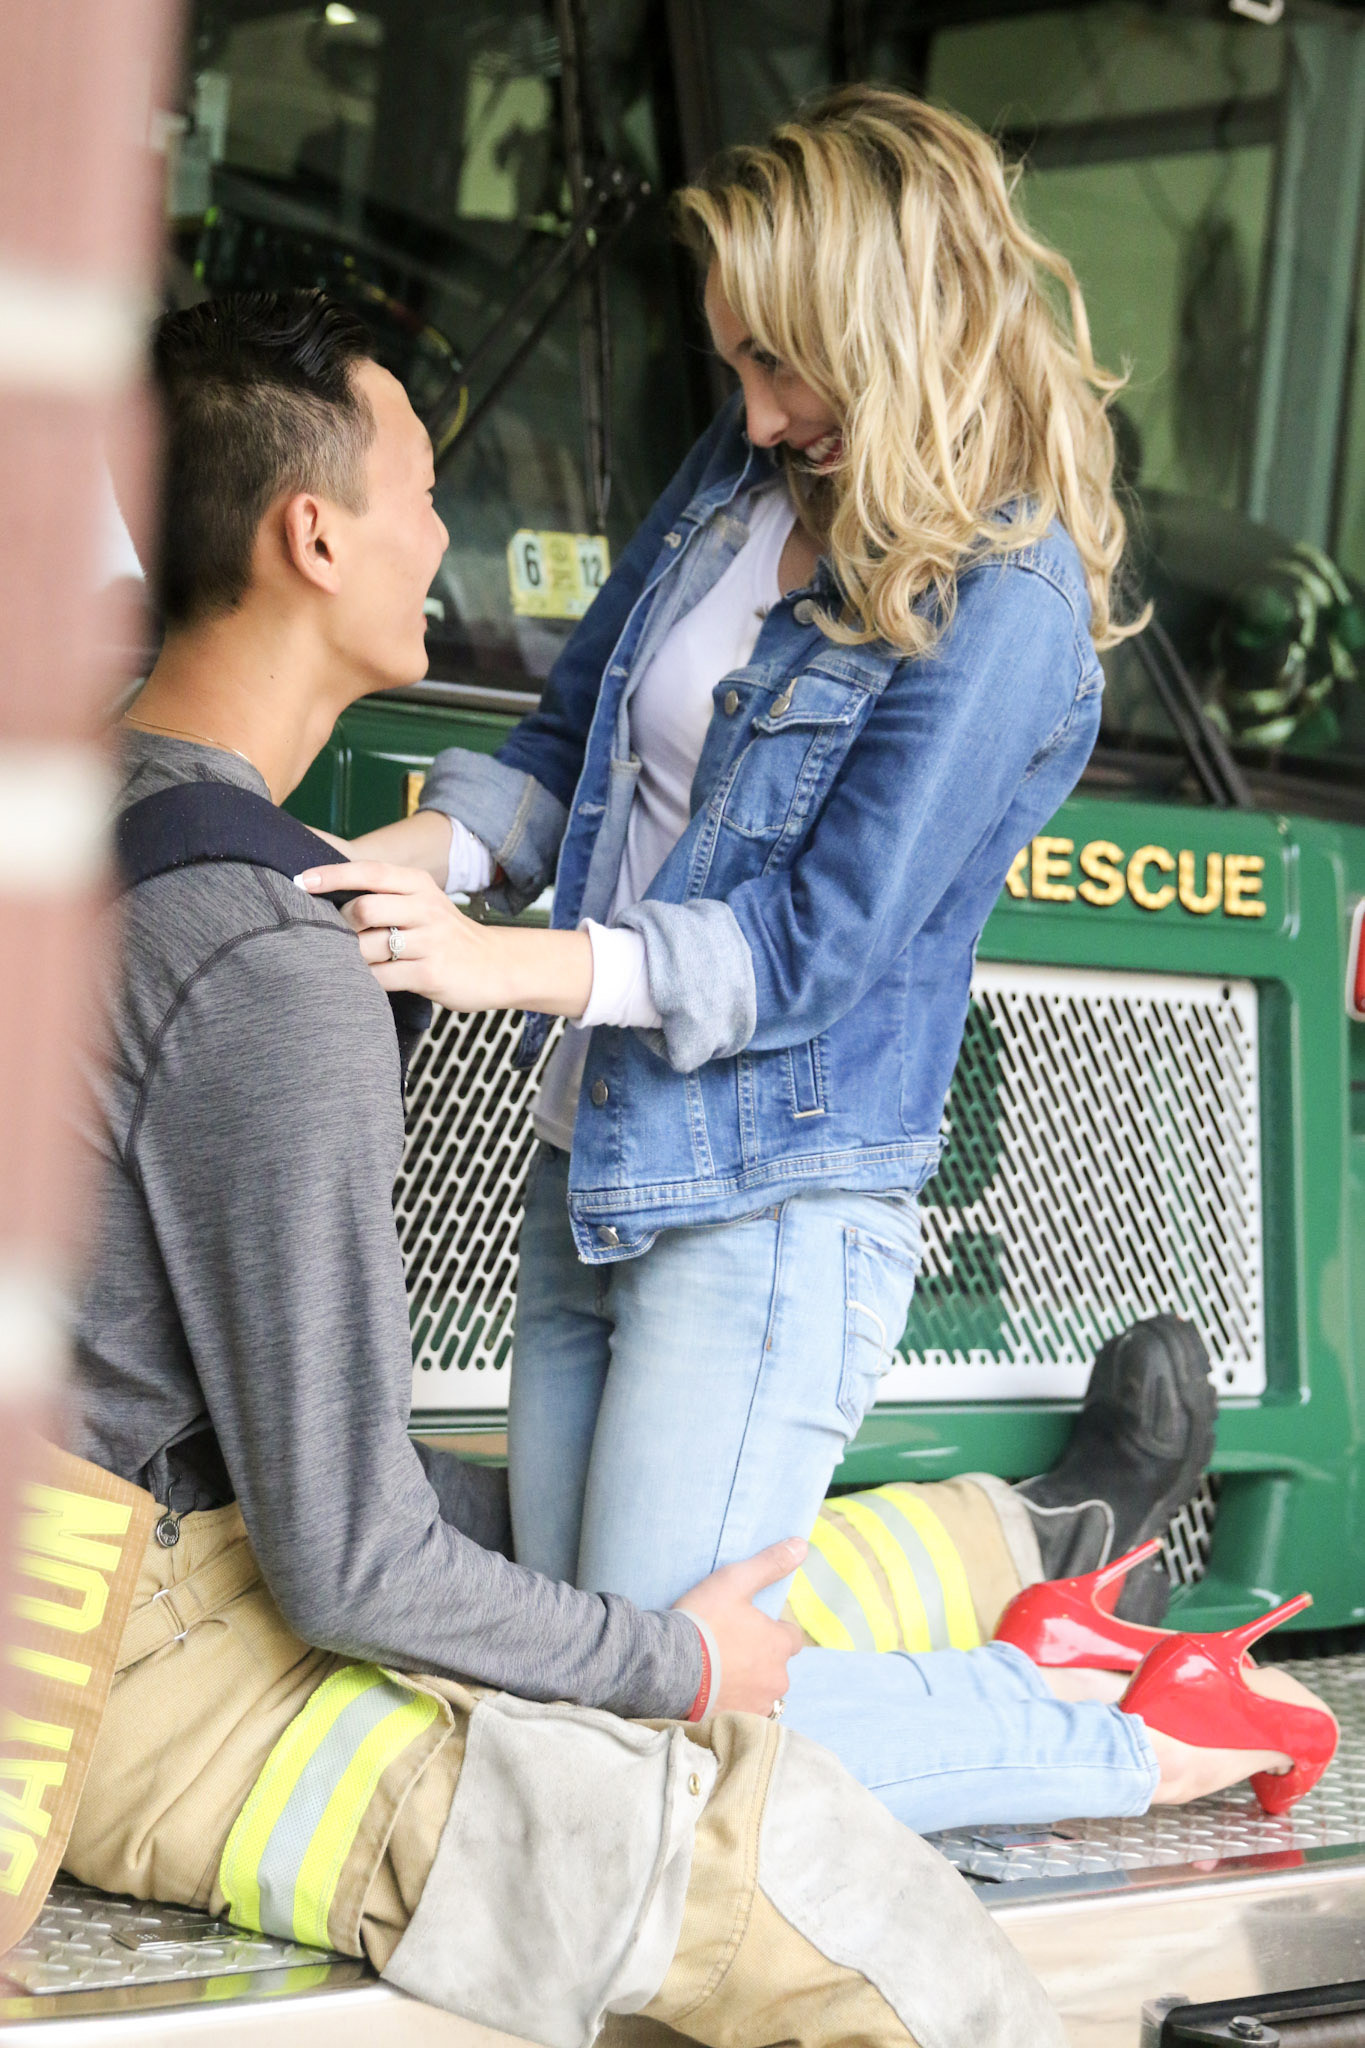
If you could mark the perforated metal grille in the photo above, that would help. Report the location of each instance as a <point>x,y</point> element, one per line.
<point>1188,1539</point>
<point>1103,1164</point>
<point>458,1198</point>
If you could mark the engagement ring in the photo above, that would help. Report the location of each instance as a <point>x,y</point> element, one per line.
<point>396,942</point>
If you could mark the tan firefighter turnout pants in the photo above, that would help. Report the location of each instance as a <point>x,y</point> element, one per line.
<point>534,1868</point>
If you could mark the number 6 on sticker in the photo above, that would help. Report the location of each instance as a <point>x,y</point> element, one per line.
<point>532,574</point>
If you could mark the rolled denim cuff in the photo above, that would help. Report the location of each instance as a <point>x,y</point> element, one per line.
<point>515,816</point>
<point>701,978</point>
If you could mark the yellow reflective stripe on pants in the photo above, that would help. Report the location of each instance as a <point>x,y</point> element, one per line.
<point>813,1617</point>
<point>911,1608</point>
<point>944,1559</point>
<point>884,1573</point>
<point>850,1589</point>
<point>286,1851</point>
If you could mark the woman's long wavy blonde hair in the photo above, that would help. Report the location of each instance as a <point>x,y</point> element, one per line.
<point>872,245</point>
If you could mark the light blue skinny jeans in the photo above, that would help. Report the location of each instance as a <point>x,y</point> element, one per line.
<point>681,1410</point>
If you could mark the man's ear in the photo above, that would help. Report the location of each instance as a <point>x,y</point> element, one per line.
<point>310,538</point>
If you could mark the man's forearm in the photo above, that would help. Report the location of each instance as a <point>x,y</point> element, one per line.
<point>445,1605</point>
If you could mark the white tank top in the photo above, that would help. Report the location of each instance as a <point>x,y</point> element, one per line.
<point>670,710</point>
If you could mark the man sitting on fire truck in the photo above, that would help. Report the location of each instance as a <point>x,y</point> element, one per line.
<point>325,1721</point>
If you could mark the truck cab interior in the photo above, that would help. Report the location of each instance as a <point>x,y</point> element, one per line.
<point>490,186</point>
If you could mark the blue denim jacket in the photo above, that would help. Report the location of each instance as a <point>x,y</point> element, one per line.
<point>810,938</point>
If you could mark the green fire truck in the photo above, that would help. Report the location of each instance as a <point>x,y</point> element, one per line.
<point>1154,1106</point>
<point>1160,1103</point>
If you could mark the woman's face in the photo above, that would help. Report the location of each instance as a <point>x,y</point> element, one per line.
<point>778,407</point>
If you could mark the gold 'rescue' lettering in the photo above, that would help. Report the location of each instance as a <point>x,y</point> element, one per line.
<point>1049,868</point>
<point>18,1854</point>
<point>42,1734</point>
<point>78,1617</point>
<point>62,1524</point>
<point>35,1777</point>
<point>1102,866</point>
<point>1200,903</point>
<point>1231,882</point>
<point>1242,885</point>
<point>1150,857</point>
<point>42,1663</point>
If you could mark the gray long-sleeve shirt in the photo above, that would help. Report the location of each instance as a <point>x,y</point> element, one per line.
<point>244,1331</point>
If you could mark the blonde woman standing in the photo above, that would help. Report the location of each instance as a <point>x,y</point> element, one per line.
<point>840,676</point>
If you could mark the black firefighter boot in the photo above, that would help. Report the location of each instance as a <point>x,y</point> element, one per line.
<point>1140,1446</point>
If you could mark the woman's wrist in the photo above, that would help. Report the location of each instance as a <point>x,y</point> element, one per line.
<point>421,841</point>
<point>539,970</point>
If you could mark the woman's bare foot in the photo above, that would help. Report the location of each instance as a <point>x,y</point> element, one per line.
<point>1190,1772</point>
<point>1106,1686</point>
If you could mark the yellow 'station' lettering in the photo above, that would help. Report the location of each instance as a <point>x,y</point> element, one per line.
<point>1050,870</point>
<point>64,1543</point>
<point>24,1781</point>
<point>70,1545</point>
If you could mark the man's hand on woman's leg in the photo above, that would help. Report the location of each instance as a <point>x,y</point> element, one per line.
<point>754,1649</point>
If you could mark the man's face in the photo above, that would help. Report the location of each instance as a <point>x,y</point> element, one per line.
<point>391,551</point>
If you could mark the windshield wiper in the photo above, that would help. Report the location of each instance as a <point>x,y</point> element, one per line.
<point>1208,752</point>
<point>583,149</point>
<point>455,412</point>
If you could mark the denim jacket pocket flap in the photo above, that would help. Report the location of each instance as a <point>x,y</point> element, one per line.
<point>812,699</point>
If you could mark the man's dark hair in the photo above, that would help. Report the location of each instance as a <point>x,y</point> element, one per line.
<point>258,402</point>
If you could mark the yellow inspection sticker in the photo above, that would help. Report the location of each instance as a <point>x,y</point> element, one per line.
<point>556,575</point>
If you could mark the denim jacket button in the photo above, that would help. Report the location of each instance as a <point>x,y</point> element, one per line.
<point>609,1235</point>
<point>600,1092</point>
<point>731,703</point>
<point>804,613</point>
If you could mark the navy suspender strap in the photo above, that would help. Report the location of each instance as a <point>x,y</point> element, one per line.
<point>191,823</point>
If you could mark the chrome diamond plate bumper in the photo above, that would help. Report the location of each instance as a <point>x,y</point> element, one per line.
<point>104,1971</point>
<point>83,1940</point>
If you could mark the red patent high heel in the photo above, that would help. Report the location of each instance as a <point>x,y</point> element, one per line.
<point>1071,1622</point>
<point>1194,1688</point>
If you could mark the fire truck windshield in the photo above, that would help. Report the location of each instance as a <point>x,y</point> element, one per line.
<point>488,183</point>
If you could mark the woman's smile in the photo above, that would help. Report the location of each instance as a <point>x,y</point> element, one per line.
<point>823,454</point>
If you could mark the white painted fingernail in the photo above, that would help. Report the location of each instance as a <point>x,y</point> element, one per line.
<point>304,881</point>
